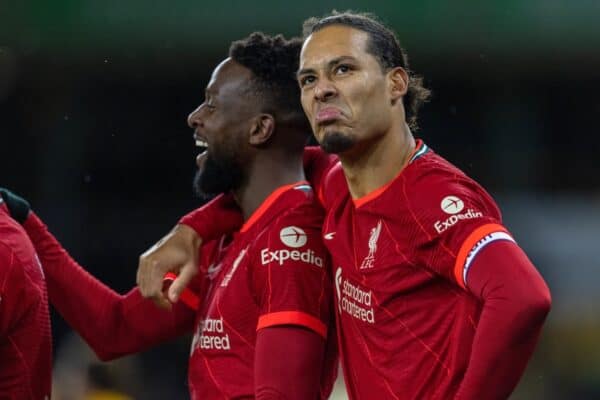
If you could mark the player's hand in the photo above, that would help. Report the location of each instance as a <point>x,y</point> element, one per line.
<point>176,252</point>
<point>17,206</point>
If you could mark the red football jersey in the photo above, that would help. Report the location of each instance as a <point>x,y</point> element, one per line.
<point>400,259</point>
<point>274,271</point>
<point>25,337</point>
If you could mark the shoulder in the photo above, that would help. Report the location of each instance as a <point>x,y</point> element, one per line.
<point>302,219</point>
<point>436,188</point>
<point>12,250</point>
<point>7,262</point>
<point>299,206</point>
<point>14,239</point>
<point>334,185</point>
<point>293,236</point>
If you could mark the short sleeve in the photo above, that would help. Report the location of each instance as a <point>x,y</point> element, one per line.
<point>457,218</point>
<point>290,270</point>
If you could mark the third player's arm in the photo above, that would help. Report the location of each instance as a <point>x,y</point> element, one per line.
<point>113,324</point>
<point>178,251</point>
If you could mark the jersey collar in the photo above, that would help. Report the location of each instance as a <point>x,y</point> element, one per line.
<point>270,201</point>
<point>420,149</point>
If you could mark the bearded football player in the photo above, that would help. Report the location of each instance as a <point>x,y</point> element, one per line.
<point>259,306</point>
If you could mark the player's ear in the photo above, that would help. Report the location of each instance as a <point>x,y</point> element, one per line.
<point>262,129</point>
<point>397,83</point>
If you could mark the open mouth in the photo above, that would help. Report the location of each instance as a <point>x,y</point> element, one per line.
<point>201,143</point>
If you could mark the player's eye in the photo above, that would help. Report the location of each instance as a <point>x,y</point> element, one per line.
<point>342,69</point>
<point>208,104</point>
<point>307,80</point>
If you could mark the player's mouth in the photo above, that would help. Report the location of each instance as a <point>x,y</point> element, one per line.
<point>328,115</point>
<point>202,144</point>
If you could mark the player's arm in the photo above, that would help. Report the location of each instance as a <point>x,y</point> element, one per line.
<point>516,301</point>
<point>293,292</point>
<point>464,240</point>
<point>177,252</point>
<point>317,165</point>
<point>113,324</point>
<point>287,363</point>
<point>11,282</point>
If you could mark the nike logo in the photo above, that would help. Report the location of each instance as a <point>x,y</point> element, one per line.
<point>329,236</point>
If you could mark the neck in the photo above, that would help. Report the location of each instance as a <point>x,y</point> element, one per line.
<point>379,162</point>
<point>269,171</point>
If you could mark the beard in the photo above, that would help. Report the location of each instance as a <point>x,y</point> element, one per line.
<point>218,175</point>
<point>336,142</point>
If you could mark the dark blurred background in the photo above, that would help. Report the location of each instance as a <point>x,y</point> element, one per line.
<point>93,104</point>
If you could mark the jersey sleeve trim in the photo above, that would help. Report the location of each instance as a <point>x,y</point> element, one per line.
<point>187,297</point>
<point>292,318</point>
<point>473,244</point>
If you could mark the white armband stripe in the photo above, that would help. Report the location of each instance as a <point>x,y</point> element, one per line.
<point>490,238</point>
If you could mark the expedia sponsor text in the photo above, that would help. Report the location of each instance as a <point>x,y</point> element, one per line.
<point>441,226</point>
<point>280,256</point>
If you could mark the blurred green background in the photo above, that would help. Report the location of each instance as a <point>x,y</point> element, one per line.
<point>94,96</point>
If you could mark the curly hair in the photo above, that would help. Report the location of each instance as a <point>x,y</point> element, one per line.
<point>385,47</point>
<point>274,61</point>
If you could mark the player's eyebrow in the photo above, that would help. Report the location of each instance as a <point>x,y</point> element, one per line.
<point>330,64</point>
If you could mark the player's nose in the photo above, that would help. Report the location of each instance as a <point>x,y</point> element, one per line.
<point>194,120</point>
<point>324,90</point>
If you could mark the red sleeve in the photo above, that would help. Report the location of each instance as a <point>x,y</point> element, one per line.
<point>21,280</point>
<point>452,215</point>
<point>317,165</point>
<point>11,287</point>
<point>290,275</point>
<point>216,218</point>
<point>287,363</point>
<point>516,301</point>
<point>113,324</point>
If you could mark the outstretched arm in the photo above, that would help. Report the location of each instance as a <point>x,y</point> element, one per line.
<point>114,325</point>
<point>177,252</point>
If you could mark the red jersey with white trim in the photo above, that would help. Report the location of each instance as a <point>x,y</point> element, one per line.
<point>401,257</point>
<point>25,337</point>
<point>274,271</point>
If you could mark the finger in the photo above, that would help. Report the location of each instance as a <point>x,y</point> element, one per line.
<point>186,275</point>
<point>161,301</point>
<point>150,276</point>
<point>138,276</point>
<point>145,265</point>
<point>144,269</point>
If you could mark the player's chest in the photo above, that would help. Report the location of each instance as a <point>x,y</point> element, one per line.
<point>227,316</point>
<point>373,250</point>
<point>229,282</point>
